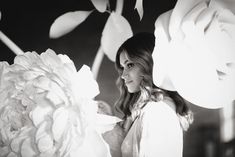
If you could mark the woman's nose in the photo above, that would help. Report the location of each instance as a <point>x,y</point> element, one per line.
<point>124,74</point>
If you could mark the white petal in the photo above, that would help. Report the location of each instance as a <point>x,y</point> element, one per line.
<point>4,151</point>
<point>56,95</point>
<point>43,130</point>
<point>84,85</point>
<point>192,76</point>
<point>26,60</point>
<point>49,153</point>
<point>139,7</point>
<point>179,11</point>
<point>16,143</point>
<point>3,67</point>
<point>67,22</point>
<point>204,19</point>
<point>45,143</point>
<point>99,146</point>
<point>29,75</point>
<point>228,4</point>
<point>27,148</point>
<point>67,62</point>
<point>60,120</point>
<point>161,52</point>
<point>39,114</point>
<point>100,5</point>
<point>117,29</point>
<point>221,38</point>
<point>42,83</point>
<point>105,123</point>
<point>50,59</point>
<point>190,18</point>
<point>12,154</point>
<point>66,144</point>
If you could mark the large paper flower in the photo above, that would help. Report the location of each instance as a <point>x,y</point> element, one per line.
<point>195,52</point>
<point>47,109</point>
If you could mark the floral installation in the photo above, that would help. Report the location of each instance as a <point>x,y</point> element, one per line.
<point>116,30</point>
<point>47,109</point>
<point>199,37</point>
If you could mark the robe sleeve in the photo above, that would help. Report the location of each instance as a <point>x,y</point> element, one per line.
<point>161,134</point>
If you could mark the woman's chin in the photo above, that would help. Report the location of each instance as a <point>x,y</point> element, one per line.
<point>132,90</point>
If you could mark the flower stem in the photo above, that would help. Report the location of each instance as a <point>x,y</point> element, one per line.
<point>100,54</point>
<point>97,62</point>
<point>119,6</point>
<point>10,44</point>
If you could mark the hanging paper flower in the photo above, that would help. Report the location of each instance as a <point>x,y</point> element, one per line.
<point>117,30</point>
<point>67,22</point>
<point>47,109</point>
<point>100,5</point>
<point>194,52</point>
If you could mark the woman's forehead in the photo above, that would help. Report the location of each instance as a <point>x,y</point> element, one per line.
<point>124,58</point>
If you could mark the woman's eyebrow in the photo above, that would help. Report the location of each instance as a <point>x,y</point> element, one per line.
<point>126,61</point>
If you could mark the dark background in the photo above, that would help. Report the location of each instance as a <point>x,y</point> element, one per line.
<point>27,23</point>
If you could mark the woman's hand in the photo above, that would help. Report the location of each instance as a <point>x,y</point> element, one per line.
<point>104,108</point>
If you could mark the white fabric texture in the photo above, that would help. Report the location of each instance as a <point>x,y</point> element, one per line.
<point>155,132</point>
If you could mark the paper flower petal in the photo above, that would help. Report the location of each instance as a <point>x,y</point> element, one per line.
<point>26,60</point>
<point>106,123</point>
<point>100,5</point>
<point>3,70</point>
<point>40,112</point>
<point>162,52</point>
<point>67,22</point>
<point>228,4</point>
<point>12,154</point>
<point>179,11</point>
<point>139,7</point>
<point>190,18</point>
<point>27,149</point>
<point>43,130</point>
<point>60,119</point>
<point>4,150</point>
<point>45,143</point>
<point>117,29</point>
<point>100,148</point>
<point>86,90</point>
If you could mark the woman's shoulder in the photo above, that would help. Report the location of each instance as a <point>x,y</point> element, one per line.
<point>160,116</point>
<point>164,106</point>
<point>161,111</point>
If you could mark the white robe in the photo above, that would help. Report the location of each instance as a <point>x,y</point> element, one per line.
<point>156,132</point>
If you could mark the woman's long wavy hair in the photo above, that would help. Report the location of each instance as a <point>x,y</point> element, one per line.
<point>139,49</point>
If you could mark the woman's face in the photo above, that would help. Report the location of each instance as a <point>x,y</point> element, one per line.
<point>131,74</point>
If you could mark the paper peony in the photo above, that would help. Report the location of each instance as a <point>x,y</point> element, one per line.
<point>195,52</point>
<point>47,109</point>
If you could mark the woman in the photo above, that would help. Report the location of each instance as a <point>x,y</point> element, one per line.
<point>154,119</point>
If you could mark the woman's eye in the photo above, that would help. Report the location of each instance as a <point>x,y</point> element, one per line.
<point>130,65</point>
